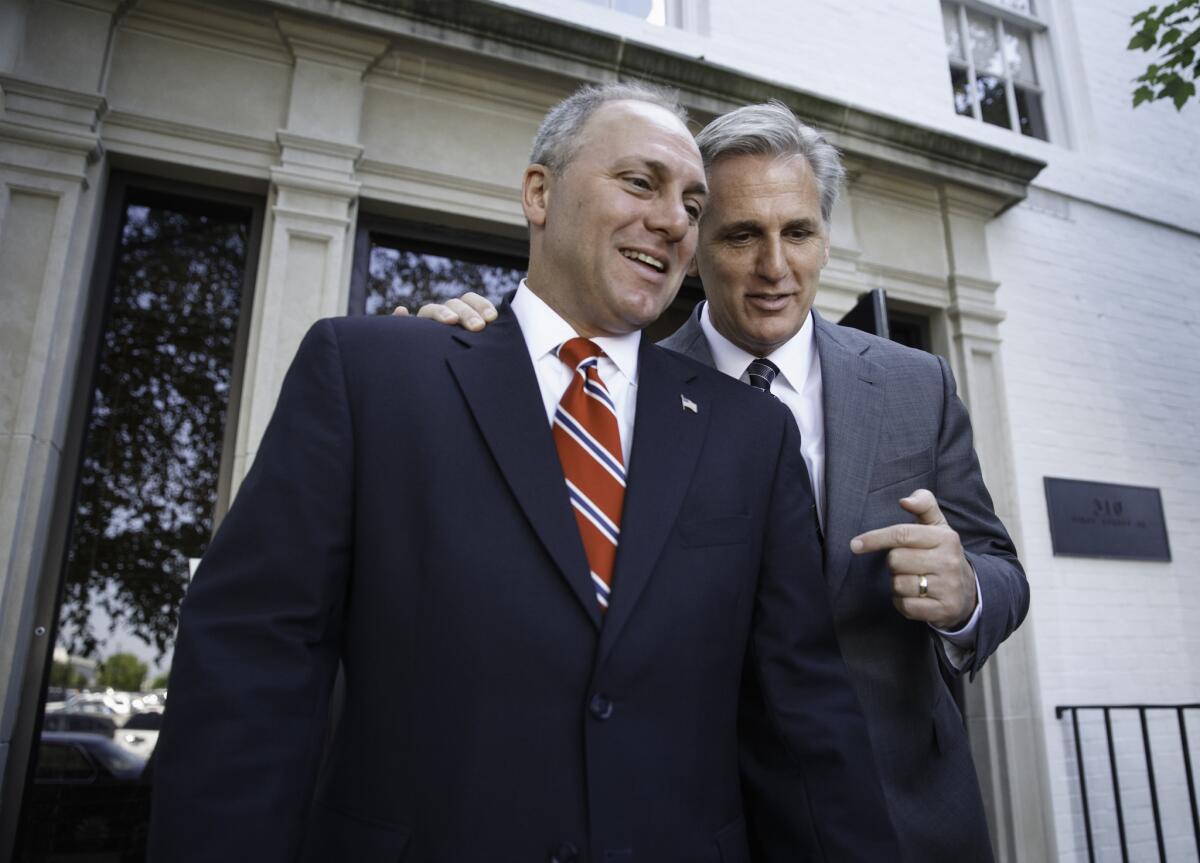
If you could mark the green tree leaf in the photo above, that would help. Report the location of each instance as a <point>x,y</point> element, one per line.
<point>1167,77</point>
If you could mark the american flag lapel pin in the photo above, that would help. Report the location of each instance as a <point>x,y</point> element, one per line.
<point>687,404</point>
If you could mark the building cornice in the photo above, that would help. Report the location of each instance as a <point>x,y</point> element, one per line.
<point>500,33</point>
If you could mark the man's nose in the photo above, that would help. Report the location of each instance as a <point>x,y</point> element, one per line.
<point>772,263</point>
<point>670,219</point>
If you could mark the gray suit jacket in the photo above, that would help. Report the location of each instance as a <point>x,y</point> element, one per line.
<point>893,423</point>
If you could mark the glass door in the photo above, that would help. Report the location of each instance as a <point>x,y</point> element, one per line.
<point>164,374</point>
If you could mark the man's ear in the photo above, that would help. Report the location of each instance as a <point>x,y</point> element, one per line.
<point>535,194</point>
<point>694,268</point>
<point>826,257</point>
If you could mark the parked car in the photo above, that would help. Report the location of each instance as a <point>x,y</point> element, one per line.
<point>88,797</point>
<point>90,723</point>
<point>139,734</point>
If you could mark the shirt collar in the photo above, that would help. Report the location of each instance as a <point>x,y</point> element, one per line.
<point>544,330</point>
<point>794,357</point>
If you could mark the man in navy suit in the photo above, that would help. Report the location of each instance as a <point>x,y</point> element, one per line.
<point>513,697</point>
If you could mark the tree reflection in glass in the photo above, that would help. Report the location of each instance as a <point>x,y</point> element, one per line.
<point>397,276</point>
<point>152,450</point>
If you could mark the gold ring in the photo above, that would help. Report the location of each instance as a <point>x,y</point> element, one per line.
<point>922,586</point>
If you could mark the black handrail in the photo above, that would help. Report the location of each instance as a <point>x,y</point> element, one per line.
<point>1107,710</point>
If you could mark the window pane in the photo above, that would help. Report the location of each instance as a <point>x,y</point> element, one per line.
<point>1029,111</point>
<point>152,454</point>
<point>399,276</point>
<point>985,49</point>
<point>961,88</point>
<point>1025,6</point>
<point>992,102</point>
<point>952,32</point>
<point>1019,55</point>
<point>640,8</point>
<point>654,11</point>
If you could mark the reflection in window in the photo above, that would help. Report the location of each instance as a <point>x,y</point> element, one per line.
<point>992,74</point>
<point>410,275</point>
<point>152,449</point>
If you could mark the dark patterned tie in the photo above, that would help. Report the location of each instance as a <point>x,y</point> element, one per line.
<point>761,373</point>
<point>589,447</point>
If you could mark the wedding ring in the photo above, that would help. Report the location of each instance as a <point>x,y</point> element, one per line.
<point>922,586</point>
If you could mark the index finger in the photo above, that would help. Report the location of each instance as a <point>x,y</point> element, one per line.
<point>896,536</point>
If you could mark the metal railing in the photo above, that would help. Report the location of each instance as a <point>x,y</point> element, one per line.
<point>1141,709</point>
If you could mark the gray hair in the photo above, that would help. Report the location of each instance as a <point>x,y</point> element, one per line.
<point>557,140</point>
<point>771,129</point>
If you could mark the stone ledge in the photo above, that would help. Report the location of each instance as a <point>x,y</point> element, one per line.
<point>566,50</point>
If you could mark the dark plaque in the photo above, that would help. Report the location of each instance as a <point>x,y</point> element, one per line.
<point>1100,519</point>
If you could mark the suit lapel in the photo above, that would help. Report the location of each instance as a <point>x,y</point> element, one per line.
<point>498,383</point>
<point>666,444</point>
<point>853,402</point>
<point>689,340</point>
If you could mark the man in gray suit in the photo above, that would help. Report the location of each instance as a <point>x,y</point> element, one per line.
<point>921,573</point>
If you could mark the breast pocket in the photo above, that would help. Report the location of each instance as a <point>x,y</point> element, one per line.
<point>907,469</point>
<point>721,530</point>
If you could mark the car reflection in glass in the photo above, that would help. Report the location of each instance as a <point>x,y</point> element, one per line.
<point>89,801</point>
<point>139,734</point>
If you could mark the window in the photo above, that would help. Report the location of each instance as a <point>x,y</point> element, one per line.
<point>403,263</point>
<point>682,14</point>
<point>411,264</point>
<point>992,74</point>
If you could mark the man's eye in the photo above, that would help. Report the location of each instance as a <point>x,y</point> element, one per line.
<point>693,212</point>
<point>639,182</point>
<point>738,239</point>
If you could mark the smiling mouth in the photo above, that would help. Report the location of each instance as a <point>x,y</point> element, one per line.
<point>642,258</point>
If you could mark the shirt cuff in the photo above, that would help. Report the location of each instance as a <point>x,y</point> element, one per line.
<point>960,643</point>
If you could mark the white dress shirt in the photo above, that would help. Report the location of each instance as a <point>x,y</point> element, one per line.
<point>544,330</point>
<point>798,385</point>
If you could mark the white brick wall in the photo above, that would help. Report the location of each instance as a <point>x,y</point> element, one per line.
<point>1102,362</point>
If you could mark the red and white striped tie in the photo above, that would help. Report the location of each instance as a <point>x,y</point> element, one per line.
<point>589,447</point>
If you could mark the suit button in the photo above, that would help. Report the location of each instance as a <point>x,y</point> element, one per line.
<point>565,853</point>
<point>600,707</point>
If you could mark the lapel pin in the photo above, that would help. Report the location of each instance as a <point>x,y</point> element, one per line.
<point>687,404</point>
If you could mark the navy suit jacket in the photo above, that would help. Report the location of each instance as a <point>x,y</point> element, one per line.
<point>406,518</point>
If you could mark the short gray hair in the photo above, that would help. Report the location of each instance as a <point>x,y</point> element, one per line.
<point>557,139</point>
<point>771,129</point>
